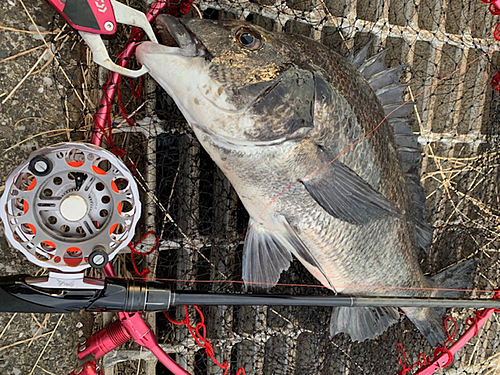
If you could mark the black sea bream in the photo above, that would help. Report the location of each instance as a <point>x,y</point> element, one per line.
<point>299,132</point>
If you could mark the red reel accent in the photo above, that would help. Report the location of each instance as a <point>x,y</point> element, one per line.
<point>88,368</point>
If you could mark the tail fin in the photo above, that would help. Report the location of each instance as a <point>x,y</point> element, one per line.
<point>455,278</point>
<point>429,322</point>
<point>362,323</point>
<point>452,281</point>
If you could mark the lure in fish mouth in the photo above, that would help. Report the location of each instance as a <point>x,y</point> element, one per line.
<point>273,108</point>
<point>174,33</point>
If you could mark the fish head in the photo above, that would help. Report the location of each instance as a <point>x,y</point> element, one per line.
<point>233,80</point>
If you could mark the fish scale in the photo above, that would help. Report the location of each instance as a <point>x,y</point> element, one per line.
<point>290,108</point>
<point>359,154</point>
<point>350,267</point>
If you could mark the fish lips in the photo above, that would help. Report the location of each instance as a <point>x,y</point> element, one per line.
<point>173,32</point>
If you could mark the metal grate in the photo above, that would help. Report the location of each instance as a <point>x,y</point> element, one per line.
<point>201,223</point>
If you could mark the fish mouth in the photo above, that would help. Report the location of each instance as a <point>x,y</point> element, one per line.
<point>173,32</point>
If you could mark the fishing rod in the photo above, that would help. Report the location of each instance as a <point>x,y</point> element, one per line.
<point>76,177</point>
<point>22,293</point>
<point>51,216</point>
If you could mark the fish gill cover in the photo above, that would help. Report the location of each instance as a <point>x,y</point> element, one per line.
<point>451,58</point>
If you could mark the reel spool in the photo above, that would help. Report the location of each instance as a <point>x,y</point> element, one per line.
<point>70,206</point>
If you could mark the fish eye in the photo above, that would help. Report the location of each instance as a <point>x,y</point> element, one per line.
<point>248,38</point>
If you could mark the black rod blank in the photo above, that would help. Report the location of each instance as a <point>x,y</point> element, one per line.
<point>210,299</point>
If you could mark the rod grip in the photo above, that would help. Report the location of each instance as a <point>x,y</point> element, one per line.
<point>15,296</point>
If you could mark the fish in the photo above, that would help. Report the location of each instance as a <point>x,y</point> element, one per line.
<point>322,155</point>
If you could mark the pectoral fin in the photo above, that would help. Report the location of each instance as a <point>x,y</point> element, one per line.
<point>346,196</point>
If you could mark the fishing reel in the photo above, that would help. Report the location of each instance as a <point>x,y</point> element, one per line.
<point>70,206</point>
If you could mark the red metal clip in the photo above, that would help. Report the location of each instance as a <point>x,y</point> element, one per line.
<point>103,341</point>
<point>116,334</point>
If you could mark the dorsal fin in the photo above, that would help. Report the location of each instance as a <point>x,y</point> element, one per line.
<point>386,83</point>
<point>386,77</point>
<point>375,64</point>
<point>360,57</point>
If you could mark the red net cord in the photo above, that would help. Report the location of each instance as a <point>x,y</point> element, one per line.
<point>133,252</point>
<point>102,119</point>
<point>199,332</point>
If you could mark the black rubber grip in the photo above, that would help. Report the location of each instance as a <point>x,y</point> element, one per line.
<point>10,303</point>
<point>18,295</point>
<point>80,13</point>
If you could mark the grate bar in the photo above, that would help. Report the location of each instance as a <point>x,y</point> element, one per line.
<point>189,346</point>
<point>351,25</point>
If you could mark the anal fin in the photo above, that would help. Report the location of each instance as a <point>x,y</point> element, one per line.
<point>362,323</point>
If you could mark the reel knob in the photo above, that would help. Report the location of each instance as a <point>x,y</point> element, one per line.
<point>98,258</point>
<point>40,166</point>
